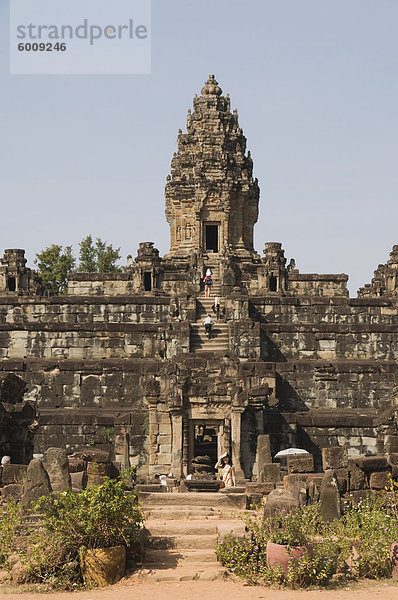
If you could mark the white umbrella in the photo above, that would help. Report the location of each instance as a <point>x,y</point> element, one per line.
<point>290,452</point>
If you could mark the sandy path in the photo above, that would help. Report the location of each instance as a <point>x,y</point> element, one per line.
<point>197,590</point>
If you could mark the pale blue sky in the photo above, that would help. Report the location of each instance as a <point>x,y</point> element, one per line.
<point>315,83</point>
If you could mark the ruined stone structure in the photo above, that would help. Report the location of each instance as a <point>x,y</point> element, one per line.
<point>122,358</point>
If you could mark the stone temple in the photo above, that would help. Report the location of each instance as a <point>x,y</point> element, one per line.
<point>122,359</point>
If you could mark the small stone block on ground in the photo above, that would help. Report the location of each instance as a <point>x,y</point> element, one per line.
<point>78,481</point>
<point>13,473</point>
<point>12,491</point>
<point>357,479</point>
<point>372,463</point>
<point>57,466</point>
<point>76,465</point>
<point>95,455</point>
<point>270,472</point>
<point>342,480</point>
<point>335,457</point>
<point>393,458</point>
<point>300,464</point>
<point>259,488</point>
<point>329,500</point>
<point>97,468</point>
<point>278,501</point>
<point>379,480</point>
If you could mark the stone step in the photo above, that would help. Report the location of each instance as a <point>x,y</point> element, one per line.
<point>211,344</point>
<point>213,341</point>
<point>183,572</point>
<point>207,302</point>
<point>162,527</point>
<point>209,347</point>
<point>217,349</point>
<point>166,558</point>
<point>204,311</point>
<point>216,322</point>
<point>215,335</point>
<point>196,529</point>
<point>214,500</point>
<point>219,325</point>
<point>172,514</point>
<point>218,328</point>
<point>185,542</point>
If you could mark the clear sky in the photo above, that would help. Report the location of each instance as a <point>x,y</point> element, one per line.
<point>316,87</point>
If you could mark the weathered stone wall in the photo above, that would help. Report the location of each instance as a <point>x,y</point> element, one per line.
<point>169,279</point>
<point>94,284</point>
<point>66,309</point>
<point>326,329</point>
<point>89,402</point>
<point>73,328</point>
<point>314,284</point>
<point>97,341</point>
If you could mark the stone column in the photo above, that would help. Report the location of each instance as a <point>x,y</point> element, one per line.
<point>185,447</point>
<point>176,448</point>
<point>227,436</point>
<point>259,420</point>
<point>236,417</point>
<point>153,434</point>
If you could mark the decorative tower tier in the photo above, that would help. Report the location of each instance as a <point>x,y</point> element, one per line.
<point>211,196</point>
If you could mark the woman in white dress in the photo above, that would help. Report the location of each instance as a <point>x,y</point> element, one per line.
<point>228,472</point>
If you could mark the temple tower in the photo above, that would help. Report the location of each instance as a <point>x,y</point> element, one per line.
<point>211,196</point>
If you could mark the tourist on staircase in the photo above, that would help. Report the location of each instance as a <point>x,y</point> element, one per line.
<point>228,471</point>
<point>208,281</point>
<point>216,306</point>
<point>208,322</point>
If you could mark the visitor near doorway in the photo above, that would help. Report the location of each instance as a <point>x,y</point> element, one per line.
<point>228,472</point>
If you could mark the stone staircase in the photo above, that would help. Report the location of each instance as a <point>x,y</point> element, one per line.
<point>219,341</point>
<point>182,531</point>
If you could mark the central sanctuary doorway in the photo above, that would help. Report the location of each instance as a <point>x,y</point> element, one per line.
<point>204,439</point>
<point>211,238</point>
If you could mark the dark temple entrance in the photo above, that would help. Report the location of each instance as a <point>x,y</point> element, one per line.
<point>204,440</point>
<point>211,241</point>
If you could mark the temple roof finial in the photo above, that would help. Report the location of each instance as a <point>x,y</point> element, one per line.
<point>211,87</point>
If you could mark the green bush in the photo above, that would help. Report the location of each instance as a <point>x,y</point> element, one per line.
<point>10,517</point>
<point>366,532</point>
<point>355,546</point>
<point>100,516</point>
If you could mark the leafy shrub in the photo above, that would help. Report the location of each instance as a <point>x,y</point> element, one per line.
<point>246,558</point>
<point>367,531</point>
<point>9,519</point>
<point>291,528</point>
<point>100,516</point>
<point>357,545</point>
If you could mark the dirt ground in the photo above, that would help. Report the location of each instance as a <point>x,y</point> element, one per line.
<point>197,590</point>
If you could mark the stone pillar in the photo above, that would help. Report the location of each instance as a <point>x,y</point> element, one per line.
<point>177,440</point>
<point>236,418</point>
<point>227,436</point>
<point>153,434</point>
<point>292,435</point>
<point>185,447</point>
<point>259,420</point>
<point>263,455</point>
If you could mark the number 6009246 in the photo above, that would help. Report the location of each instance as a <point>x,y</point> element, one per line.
<point>41,47</point>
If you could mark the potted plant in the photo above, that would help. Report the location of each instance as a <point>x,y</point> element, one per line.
<point>85,535</point>
<point>286,540</point>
